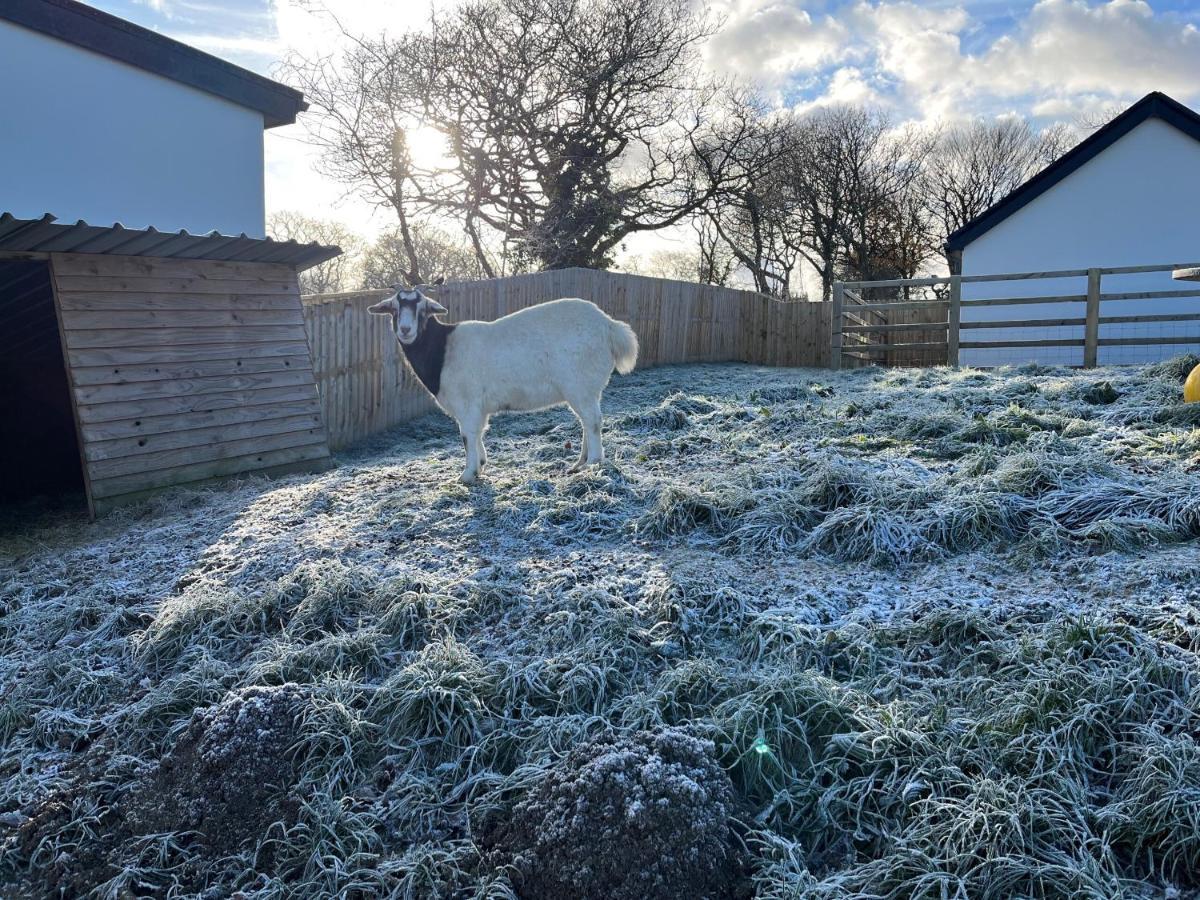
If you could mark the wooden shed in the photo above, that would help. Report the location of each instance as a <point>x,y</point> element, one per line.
<point>135,360</point>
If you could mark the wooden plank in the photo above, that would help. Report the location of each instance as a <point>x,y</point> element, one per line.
<point>165,406</point>
<point>185,387</point>
<point>79,320</point>
<point>184,353</point>
<point>1133,270</point>
<point>1156,317</point>
<point>1147,341</point>
<point>1151,295</point>
<point>124,374</point>
<point>1091,327</point>
<point>835,343</point>
<point>93,301</point>
<point>126,484</point>
<point>158,460</point>
<point>320,464</point>
<point>905,304</point>
<point>894,283</point>
<point>1026,323</point>
<point>1025,276</point>
<point>108,266</point>
<point>93,284</point>
<point>1026,301</point>
<point>267,424</point>
<point>226,417</point>
<point>136,337</point>
<point>1052,342</point>
<point>902,326</point>
<point>953,321</point>
<point>917,345</point>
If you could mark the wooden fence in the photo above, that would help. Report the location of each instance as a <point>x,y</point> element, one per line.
<point>900,330</point>
<point>366,388</point>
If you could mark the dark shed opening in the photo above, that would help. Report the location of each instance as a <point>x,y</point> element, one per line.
<point>39,448</point>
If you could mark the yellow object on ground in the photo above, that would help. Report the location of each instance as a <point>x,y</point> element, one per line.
<point>1191,387</point>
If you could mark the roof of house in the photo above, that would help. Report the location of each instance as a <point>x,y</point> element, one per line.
<point>1153,105</point>
<point>99,32</point>
<point>45,235</point>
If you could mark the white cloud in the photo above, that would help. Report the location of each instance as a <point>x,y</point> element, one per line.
<point>1062,58</point>
<point>769,39</point>
<point>1115,49</point>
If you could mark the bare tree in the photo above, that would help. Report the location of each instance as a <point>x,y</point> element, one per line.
<point>973,166</point>
<point>1095,119</point>
<point>680,265</point>
<point>717,261</point>
<point>752,214</point>
<point>571,124</point>
<point>389,259</point>
<point>333,275</point>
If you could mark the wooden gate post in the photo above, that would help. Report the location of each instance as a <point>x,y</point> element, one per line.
<point>835,341</point>
<point>954,318</point>
<point>1091,327</point>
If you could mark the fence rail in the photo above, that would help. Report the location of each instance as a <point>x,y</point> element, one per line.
<point>365,386</point>
<point>870,339</point>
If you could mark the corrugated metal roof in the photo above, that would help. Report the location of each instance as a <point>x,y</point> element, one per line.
<point>46,235</point>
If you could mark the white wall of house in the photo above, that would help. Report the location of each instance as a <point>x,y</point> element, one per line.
<point>1136,203</point>
<point>83,136</point>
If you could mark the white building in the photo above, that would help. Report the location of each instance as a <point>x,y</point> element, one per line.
<point>1129,195</point>
<point>106,121</point>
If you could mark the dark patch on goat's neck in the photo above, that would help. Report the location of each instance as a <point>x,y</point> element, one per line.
<point>427,353</point>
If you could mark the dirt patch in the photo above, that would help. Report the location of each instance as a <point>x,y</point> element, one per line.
<point>626,819</point>
<point>227,779</point>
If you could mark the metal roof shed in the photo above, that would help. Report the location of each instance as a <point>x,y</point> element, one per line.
<point>185,356</point>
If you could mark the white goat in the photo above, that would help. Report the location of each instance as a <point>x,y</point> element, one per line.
<point>558,352</point>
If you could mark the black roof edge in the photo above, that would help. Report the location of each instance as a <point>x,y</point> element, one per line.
<point>1154,105</point>
<point>97,31</point>
<point>46,235</point>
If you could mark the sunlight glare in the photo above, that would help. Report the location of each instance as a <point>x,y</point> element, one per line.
<point>427,148</point>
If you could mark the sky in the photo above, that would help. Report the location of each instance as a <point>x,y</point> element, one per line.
<point>1053,60</point>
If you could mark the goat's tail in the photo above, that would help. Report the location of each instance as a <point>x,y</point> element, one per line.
<point>624,344</point>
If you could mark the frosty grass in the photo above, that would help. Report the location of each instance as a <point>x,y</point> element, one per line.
<point>942,626</point>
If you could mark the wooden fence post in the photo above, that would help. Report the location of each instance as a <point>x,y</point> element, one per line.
<point>1091,327</point>
<point>835,341</point>
<point>954,319</point>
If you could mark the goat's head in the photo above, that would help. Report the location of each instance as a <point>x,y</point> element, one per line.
<point>410,308</point>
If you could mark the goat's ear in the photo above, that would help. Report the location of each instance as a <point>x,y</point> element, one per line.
<point>435,308</point>
<point>386,307</point>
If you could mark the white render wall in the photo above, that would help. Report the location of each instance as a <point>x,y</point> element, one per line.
<point>1136,203</point>
<point>83,136</point>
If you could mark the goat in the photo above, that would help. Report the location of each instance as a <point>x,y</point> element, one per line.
<point>559,352</point>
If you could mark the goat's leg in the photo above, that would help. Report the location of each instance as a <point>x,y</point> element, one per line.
<point>589,415</point>
<point>583,440</point>
<point>472,435</point>
<point>482,448</point>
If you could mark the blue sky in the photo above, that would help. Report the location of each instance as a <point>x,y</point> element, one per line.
<point>1053,60</point>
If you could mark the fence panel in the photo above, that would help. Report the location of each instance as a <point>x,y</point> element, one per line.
<point>930,332</point>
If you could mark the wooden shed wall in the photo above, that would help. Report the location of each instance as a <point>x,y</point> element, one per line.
<point>185,370</point>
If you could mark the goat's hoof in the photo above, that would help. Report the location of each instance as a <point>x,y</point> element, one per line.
<point>466,478</point>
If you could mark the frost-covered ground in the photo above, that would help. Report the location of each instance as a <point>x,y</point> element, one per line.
<point>940,629</point>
